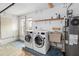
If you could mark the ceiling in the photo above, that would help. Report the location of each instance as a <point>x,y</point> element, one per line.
<point>24,8</point>
<point>4,5</point>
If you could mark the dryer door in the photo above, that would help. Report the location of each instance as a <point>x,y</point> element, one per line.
<point>39,41</point>
<point>28,38</point>
<point>75,22</point>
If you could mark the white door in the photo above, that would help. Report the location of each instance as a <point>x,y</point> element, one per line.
<point>21,29</point>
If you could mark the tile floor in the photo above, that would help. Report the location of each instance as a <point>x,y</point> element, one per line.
<point>11,49</point>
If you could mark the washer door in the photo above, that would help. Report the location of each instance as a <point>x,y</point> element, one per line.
<point>28,38</point>
<point>75,22</point>
<point>39,41</point>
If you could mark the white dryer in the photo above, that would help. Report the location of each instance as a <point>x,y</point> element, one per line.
<point>41,42</point>
<point>29,39</point>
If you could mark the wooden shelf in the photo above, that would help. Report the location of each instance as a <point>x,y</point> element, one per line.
<point>56,19</point>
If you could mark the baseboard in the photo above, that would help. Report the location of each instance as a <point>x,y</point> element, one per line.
<point>5,41</point>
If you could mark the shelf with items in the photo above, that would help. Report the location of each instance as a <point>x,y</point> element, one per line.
<point>56,19</point>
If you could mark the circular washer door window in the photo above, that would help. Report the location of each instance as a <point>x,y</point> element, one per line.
<point>27,38</point>
<point>39,41</point>
<point>75,22</point>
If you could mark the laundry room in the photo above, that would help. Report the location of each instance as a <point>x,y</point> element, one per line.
<point>39,29</point>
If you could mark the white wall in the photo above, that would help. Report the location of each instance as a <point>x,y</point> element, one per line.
<point>75,8</point>
<point>9,28</point>
<point>46,14</point>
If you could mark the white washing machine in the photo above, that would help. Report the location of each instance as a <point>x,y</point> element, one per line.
<point>29,39</point>
<point>40,41</point>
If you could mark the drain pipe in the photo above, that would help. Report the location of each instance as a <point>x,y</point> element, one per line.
<point>7,7</point>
